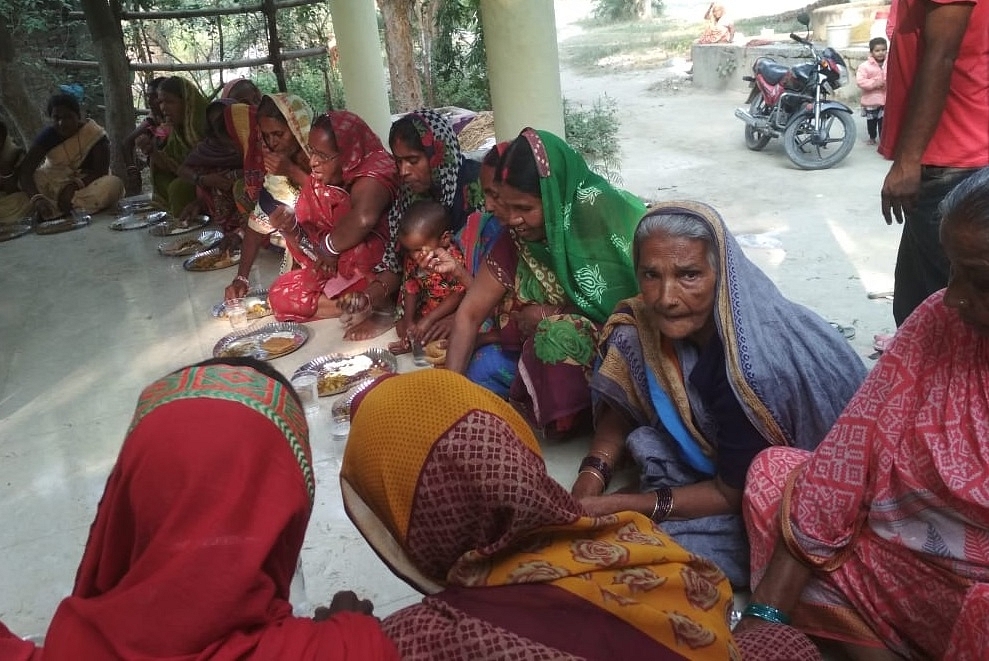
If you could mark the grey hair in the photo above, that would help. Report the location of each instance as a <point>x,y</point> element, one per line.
<point>678,225</point>
<point>968,201</point>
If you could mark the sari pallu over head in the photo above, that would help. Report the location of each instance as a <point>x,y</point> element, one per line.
<point>198,533</point>
<point>586,258</point>
<point>445,480</point>
<point>278,189</point>
<point>789,369</point>
<point>320,205</point>
<point>446,162</point>
<point>182,139</point>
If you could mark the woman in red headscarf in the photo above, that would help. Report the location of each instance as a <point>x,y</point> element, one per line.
<point>338,232</point>
<point>199,531</point>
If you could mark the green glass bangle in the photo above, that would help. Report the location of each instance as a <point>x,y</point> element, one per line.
<point>767,613</point>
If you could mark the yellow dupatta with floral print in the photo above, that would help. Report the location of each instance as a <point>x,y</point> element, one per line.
<point>446,482</point>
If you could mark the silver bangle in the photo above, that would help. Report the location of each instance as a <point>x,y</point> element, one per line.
<point>330,247</point>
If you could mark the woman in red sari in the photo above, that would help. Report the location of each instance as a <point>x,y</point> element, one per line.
<point>198,533</point>
<point>879,539</point>
<point>339,230</point>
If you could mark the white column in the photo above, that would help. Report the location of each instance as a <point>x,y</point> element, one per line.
<point>523,65</point>
<point>362,66</point>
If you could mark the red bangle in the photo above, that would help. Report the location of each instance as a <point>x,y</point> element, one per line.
<point>597,464</point>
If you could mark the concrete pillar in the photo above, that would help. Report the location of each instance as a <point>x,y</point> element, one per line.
<point>523,65</point>
<point>362,67</point>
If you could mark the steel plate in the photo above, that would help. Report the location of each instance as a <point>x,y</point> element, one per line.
<point>258,341</point>
<point>212,260</point>
<point>338,371</point>
<point>185,247</point>
<point>256,301</point>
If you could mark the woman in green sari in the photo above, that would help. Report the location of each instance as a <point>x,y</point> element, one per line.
<point>551,280</point>
<point>184,107</point>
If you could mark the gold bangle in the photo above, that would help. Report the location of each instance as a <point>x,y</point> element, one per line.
<point>593,472</point>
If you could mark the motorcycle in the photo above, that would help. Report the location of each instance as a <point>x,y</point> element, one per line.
<point>793,102</point>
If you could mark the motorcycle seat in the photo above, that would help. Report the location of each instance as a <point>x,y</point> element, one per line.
<point>771,70</point>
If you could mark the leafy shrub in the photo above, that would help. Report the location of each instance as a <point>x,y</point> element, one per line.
<point>593,133</point>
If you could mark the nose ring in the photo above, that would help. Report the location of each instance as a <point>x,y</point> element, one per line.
<point>962,302</point>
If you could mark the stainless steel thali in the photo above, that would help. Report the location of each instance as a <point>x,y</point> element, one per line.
<point>336,372</point>
<point>15,230</point>
<point>174,226</point>
<point>185,247</point>
<point>256,301</point>
<point>265,342</point>
<point>61,225</point>
<point>136,203</point>
<point>138,220</point>
<point>212,260</point>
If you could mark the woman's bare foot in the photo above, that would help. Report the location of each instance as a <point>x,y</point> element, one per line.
<point>373,325</point>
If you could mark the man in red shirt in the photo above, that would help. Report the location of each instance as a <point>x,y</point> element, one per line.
<point>936,130</point>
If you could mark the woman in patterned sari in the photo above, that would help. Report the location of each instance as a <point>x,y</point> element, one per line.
<point>216,166</point>
<point>68,166</point>
<point>282,149</point>
<point>447,483</point>
<point>199,531</point>
<point>879,539</point>
<point>430,166</point>
<point>184,106</point>
<point>339,230</point>
<point>706,367</point>
<point>565,261</point>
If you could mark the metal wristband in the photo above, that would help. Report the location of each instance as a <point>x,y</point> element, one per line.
<point>598,464</point>
<point>766,613</point>
<point>330,248</point>
<point>664,504</point>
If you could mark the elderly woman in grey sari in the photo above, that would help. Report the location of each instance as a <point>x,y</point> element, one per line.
<point>706,367</point>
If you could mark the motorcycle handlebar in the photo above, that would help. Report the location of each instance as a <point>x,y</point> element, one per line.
<point>800,40</point>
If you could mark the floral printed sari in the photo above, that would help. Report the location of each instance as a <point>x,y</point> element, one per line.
<point>447,483</point>
<point>584,266</point>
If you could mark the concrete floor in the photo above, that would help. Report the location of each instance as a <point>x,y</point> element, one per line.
<point>88,318</point>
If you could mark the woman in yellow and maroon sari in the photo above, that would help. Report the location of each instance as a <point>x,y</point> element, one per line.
<point>450,489</point>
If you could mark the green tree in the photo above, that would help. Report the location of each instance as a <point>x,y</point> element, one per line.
<point>459,64</point>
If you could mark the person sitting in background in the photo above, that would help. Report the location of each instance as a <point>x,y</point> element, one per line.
<point>720,29</point>
<point>447,484</point>
<point>339,230</point>
<point>430,166</point>
<point>563,264</point>
<point>15,205</point>
<point>191,557</point>
<point>242,90</point>
<point>68,166</point>
<point>706,367</point>
<point>879,539</point>
<point>150,134</point>
<point>216,167</point>
<point>184,106</point>
<point>427,295</point>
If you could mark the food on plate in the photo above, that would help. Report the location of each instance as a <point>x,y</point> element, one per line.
<point>436,352</point>
<point>258,309</point>
<point>331,382</point>
<point>277,344</point>
<point>237,351</point>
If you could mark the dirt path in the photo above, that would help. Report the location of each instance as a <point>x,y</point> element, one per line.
<point>833,245</point>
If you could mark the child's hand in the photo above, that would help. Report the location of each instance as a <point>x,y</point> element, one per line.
<point>438,260</point>
<point>403,328</point>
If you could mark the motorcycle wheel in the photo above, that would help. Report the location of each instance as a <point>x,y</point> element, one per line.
<point>755,139</point>
<point>839,135</point>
